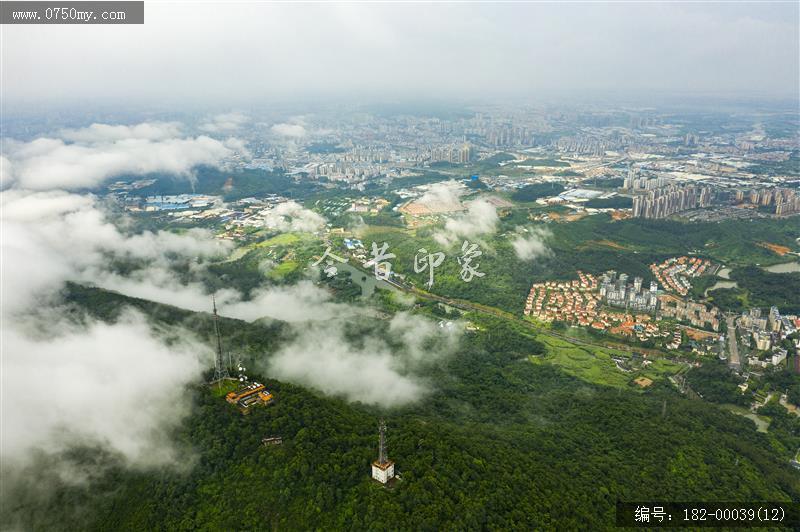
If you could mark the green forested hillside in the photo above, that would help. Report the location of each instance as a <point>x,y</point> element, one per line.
<point>499,443</point>
<point>596,244</point>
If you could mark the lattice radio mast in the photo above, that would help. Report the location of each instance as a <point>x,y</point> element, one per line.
<point>382,468</point>
<point>382,454</point>
<point>220,369</point>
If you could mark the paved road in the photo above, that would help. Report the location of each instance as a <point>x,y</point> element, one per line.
<point>733,347</point>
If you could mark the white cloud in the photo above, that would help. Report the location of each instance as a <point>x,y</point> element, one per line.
<point>480,219</point>
<point>532,245</point>
<point>289,130</point>
<point>237,145</point>
<point>296,303</point>
<point>300,302</point>
<point>117,386</point>
<point>6,176</point>
<point>52,237</point>
<point>225,122</point>
<point>101,151</point>
<point>291,216</point>
<point>443,197</point>
<point>110,133</point>
<point>372,372</point>
<point>323,359</point>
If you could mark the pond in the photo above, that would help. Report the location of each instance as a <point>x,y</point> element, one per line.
<point>762,423</point>
<point>786,267</point>
<point>366,281</point>
<point>721,284</point>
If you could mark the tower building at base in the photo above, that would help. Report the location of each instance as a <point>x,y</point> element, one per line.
<point>382,468</point>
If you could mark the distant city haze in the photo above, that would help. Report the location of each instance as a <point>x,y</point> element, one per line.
<point>207,52</point>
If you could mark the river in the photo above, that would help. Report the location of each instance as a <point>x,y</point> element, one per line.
<point>366,281</point>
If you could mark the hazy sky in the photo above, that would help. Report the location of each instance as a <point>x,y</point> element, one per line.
<point>193,51</point>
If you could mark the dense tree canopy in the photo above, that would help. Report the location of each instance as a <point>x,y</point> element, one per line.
<point>498,443</point>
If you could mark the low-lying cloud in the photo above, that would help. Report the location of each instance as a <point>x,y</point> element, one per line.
<point>110,133</point>
<point>300,302</point>
<point>225,122</point>
<point>294,131</point>
<point>384,370</point>
<point>85,158</point>
<point>53,237</point>
<point>445,195</point>
<point>532,244</point>
<point>480,219</point>
<point>291,216</point>
<point>118,386</point>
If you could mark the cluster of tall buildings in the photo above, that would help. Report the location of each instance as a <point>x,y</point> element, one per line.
<point>367,154</point>
<point>666,201</point>
<point>659,197</point>
<point>504,136</point>
<point>639,122</point>
<point>585,145</point>
<point>640,184</point>
<point>343,170</point>
<point>765,333</point>
<point>698,314</point>
<point>753,320</point>
<point>785,200</point>
<point>617,292</point>
<point>452,154</point>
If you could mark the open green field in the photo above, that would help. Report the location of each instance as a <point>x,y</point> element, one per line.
<point>223,388</point>
<point>283,269</point>
<point>283,239</point>
<point>595,364</point>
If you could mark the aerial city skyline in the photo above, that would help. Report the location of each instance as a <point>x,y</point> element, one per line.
<point>401,266</point>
